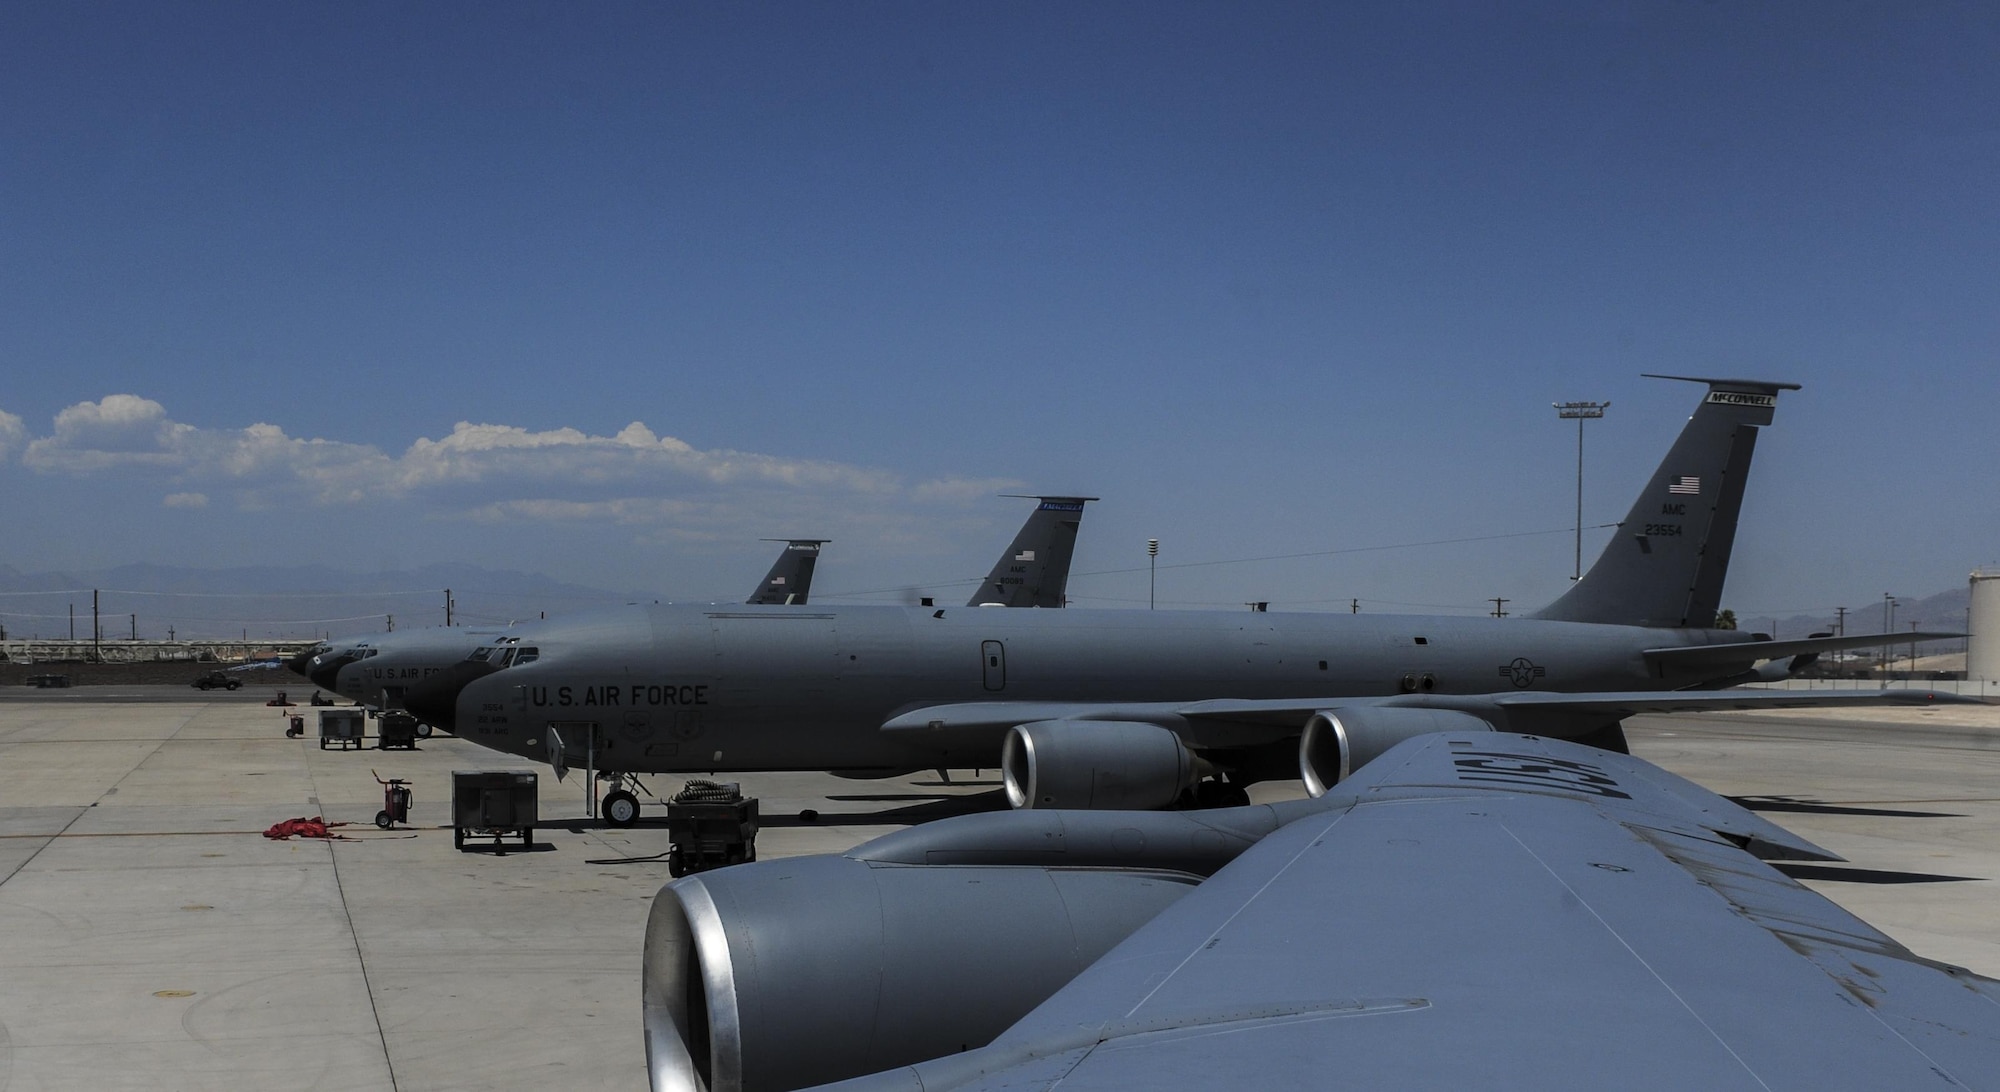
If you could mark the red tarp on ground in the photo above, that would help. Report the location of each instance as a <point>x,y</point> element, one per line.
<point>314,827</point>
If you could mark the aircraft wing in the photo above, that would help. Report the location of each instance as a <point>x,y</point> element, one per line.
<point>1498,911</point>
<point>1237,722</point>
<point>1687,659</point>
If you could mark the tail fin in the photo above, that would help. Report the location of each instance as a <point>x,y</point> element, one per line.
<point>1034,572</point>
<point>1664,565</point>
<point>791,576</point>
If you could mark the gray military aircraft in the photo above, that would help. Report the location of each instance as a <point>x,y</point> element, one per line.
<point>1034,569</point>
<point>376,669</point>
<point>1138,709</point>
<point>790,579</point>
<point>1474,910</point>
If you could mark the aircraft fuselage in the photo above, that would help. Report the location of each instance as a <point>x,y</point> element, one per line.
<point>684,689</point>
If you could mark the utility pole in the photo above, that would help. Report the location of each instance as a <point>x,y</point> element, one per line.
<point>392,623</point>
<point>1840,621</point>
<point>1354,607</point>
<point>135,627</point>
<point>96,630</point>
<point>1500,607</point>
<point>1913,647</point>
<point>1580,412</point>
<point>1888,624</point>
<point>447,606</point>
<point>1152,569</point>
<point>72,621</point>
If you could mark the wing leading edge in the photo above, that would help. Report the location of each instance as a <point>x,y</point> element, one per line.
<point>1500,911</point>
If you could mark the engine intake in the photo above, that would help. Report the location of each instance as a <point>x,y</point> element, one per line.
<point>1096,764</point>
<point>1337,742</point>
<point>785,974</point>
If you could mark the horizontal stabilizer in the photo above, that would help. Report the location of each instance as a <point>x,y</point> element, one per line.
<point>1738,654</point>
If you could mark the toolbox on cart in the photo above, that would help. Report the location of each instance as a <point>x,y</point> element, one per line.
<point>710,825</point>
<point>492,802</point>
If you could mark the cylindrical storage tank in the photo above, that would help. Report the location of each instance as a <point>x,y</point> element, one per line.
<point>1982,651</point>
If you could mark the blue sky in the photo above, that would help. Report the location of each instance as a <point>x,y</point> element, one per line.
<point>609,292</point>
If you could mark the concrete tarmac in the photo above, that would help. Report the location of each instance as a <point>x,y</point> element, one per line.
<point>151,937</point>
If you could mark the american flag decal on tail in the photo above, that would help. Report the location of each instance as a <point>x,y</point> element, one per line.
<point>1687,485</point>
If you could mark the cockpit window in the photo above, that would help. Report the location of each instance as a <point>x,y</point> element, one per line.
<point>527,656</point>
<point>506,657</point>
<point>480,654</point>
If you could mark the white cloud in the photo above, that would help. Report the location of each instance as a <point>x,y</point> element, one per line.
<point>483,472</point>
<point>123,429</point>
<point>12,434</point>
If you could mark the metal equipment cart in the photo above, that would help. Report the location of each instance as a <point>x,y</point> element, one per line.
<point>492,802</point>
<point>710,825</point>
<point>341,726</point>
<point>396,729</point>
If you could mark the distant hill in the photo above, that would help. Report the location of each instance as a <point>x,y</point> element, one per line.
<point>286,602</point>
<point>1944,611</point>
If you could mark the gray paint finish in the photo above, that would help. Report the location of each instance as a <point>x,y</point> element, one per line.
<point>1461,918</point>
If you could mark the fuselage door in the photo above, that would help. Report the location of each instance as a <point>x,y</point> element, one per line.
<point>993,661</point>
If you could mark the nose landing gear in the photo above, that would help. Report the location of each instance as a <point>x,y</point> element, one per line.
<point>620,806</point>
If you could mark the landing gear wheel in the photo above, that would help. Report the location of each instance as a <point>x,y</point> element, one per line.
<point>1220,794</point>
<point>382,820</point>
<point>423,731</point>
<point>620,808</point>
<point>676,867</point>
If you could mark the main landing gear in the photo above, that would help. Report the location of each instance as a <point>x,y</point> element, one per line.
<point>1217,793</point>
<point>620,806</point>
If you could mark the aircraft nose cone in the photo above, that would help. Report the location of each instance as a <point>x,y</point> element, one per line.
<point>434,701</point>
<point>301,662</point>
<point>324,671</point>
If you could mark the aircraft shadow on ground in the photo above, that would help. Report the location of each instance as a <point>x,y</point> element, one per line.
<point>1846,874</point>
<point>1810,807</point>
<point>927,806</point>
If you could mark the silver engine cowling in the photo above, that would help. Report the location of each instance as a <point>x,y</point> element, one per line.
<point>785,974</point>
<point>1096,764</point>
<point>1337,742</point>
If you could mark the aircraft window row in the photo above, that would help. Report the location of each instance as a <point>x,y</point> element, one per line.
<point>508,656</point>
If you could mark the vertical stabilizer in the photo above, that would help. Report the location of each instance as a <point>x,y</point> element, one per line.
<point>1034,572</point>
<point>1665,564</point>
<point>791,576</point>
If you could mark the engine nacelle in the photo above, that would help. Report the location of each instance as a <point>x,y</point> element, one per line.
<point>1095,764</point>
<point>1337,742</point>
<point>803,971</point>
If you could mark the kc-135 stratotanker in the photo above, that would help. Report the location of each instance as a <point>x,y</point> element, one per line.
<point>1143,709</point>
<point>377,669</point>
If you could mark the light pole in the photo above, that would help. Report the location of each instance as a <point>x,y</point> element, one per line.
<point>1152,569</point>
<point>1888,626</point>
<point>1581,412</point>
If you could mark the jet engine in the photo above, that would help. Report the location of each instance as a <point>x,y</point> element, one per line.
<point>1337,742</point>
<point>784,974</point>
<point>1124,765</point>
